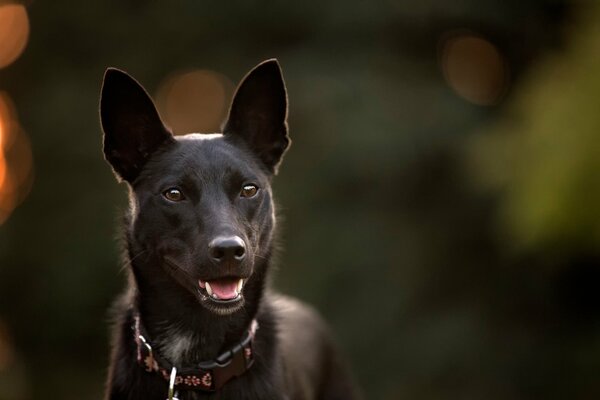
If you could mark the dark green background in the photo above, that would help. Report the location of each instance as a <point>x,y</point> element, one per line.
<point>453,247</point>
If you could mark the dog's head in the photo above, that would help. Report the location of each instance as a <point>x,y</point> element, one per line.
<point>201,204</point>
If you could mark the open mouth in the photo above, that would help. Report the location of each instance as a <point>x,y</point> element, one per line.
<point>222,291</point>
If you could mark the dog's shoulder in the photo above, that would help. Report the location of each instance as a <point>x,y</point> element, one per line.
<point>297,320</point>
<point>306,345</point>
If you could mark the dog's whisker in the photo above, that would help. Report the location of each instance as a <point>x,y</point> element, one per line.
<point>129,261</point>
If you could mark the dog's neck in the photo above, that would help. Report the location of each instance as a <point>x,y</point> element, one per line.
<point>180,328</point>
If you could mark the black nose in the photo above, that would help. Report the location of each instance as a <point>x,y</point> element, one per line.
<point>224,249</point>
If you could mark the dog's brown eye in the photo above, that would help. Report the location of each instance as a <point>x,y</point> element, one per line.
<point>173,194</point>
<point>249,191</point>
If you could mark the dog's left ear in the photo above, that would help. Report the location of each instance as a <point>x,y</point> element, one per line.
<point>258,114</point>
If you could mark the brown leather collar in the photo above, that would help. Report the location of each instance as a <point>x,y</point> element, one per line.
<point>208,376</point>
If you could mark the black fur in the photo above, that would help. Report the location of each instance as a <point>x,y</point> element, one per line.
<point>171,241</point>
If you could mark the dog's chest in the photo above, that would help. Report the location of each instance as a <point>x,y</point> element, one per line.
<point>177,347</point>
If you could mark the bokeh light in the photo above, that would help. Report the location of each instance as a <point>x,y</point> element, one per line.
<point>14,32</point>
<point>2,159</point>
<point>474,68</point>
<point>16,160</point>
<point>194,101</point>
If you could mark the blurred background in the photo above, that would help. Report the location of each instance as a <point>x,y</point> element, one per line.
<point>440,202</point>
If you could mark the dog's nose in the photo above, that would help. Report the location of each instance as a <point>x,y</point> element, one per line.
<point>223,249</point>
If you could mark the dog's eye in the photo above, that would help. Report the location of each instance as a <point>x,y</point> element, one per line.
<point>173,194</point>
<point>249,191</point>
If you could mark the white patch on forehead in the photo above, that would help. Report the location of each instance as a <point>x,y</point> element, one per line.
<point>200,136</point>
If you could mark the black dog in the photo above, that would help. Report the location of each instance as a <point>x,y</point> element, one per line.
<point>198,320</point>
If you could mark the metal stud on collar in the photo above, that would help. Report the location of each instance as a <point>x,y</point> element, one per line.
<point>172,385</point>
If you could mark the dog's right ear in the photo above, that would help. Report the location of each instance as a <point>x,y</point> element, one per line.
<point>132,127</point>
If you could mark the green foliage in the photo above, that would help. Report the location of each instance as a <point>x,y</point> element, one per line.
<point>543,155</point>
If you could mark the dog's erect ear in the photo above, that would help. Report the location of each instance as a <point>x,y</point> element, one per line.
<point>132,127</point>
<point>258,113</point>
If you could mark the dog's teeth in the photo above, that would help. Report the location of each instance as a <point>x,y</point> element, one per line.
<point>209,290</point>
<point>240,285</point>
<point>214,296</point>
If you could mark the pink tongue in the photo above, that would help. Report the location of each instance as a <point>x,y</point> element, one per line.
<point>224,289</point>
